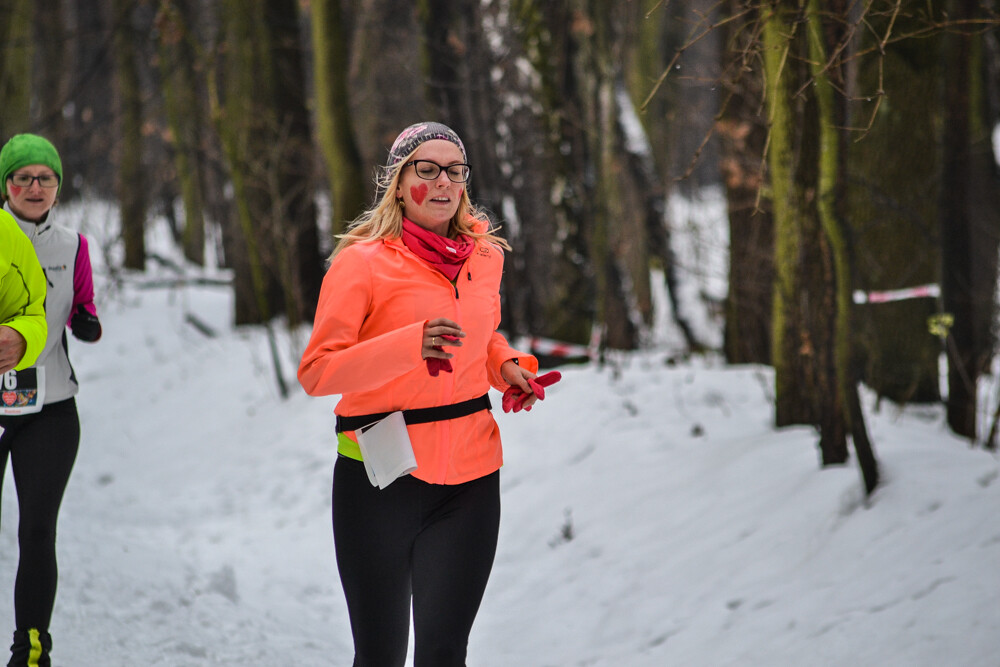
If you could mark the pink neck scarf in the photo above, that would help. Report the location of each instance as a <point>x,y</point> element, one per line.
<point>444,254</point>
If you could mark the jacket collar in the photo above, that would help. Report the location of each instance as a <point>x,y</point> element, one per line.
<point>30,229</point>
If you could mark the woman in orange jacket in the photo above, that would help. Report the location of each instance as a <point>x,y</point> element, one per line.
<point>406,332</point>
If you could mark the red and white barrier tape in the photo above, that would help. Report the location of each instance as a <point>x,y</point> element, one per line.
<point>557,348</point>
<point>932,290</point>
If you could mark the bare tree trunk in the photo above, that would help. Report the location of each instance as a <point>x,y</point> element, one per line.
<point>845,78</point>
<point>16,56</point>
<point>265,129</point>
<point>648,44</point>
<point>790,345</point>
<point>52,40</point>
<point>131,182</point>
<point>644,197</point>
<point>743,133</point>
<point>614,227</point>
<point>694,149</point>
<point>841,406</point>
<point>526,210</point>
<point>386,76</point>
<point>88,145</point>
<point>958,279</point>
<point>294,211</point>
<point>564,286</point>
<point>335,125</point>
<point>459,88</point>
<point>177,65</point>
<point>574,47</point>
<point>241,125</point>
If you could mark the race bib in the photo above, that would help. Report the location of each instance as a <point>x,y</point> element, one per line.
<point>22,392</point>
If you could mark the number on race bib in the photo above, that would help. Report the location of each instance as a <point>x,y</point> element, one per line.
<point>23,392</point>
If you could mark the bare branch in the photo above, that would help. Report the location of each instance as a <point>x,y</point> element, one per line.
<point>687,45</point>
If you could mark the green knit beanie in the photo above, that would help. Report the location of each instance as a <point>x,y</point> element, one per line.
<point>25,149</point>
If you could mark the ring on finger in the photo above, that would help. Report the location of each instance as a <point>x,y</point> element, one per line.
<point>434,341</point>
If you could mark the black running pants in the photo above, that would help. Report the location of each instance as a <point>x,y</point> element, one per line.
<point>42,448</point>
<point>429,544</point>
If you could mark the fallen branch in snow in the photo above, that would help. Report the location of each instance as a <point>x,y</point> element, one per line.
<point>200,325</point>
<point>161,283</point>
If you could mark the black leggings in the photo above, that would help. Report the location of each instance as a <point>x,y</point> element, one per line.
<point>42,448</point>
<point>429,542</point>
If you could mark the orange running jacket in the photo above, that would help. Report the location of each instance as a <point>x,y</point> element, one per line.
<point>366,344</point>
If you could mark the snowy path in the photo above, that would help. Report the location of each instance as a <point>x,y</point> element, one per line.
<point>650,519</point>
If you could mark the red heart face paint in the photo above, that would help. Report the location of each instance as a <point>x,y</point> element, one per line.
<point>418,193</point>
<point>14,190</point>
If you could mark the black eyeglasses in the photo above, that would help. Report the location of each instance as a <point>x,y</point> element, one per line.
<point>427,170</point>
<point>25,180</point>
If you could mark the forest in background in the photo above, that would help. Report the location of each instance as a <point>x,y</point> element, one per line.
<point>852,140</point>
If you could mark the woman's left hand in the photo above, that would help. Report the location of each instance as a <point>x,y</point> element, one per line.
<point>518,377</point>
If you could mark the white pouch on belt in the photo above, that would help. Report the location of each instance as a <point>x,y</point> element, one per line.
<point>386,450</point>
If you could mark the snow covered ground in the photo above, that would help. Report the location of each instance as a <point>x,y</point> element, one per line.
<point>652,516</point>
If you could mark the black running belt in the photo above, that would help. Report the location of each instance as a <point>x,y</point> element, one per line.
<point>419,415</point>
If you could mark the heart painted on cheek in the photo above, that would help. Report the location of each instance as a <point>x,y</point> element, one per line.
<point>418,193</point>
<point>14,190</point>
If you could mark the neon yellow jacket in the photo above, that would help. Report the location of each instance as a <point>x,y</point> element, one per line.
<point>22,289</point>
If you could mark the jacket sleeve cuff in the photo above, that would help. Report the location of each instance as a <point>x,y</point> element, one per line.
<point>497,359</point>
<point>34,340</point>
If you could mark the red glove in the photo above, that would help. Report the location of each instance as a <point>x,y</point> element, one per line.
<point>514,398</point>
<point>435,365</point>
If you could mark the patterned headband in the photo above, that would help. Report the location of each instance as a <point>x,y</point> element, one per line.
<point>418,133</point>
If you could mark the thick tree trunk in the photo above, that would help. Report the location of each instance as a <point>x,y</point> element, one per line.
<point>894,203</point>
<point>805,297</point>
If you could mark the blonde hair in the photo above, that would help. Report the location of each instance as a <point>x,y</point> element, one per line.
<point>384,220</point>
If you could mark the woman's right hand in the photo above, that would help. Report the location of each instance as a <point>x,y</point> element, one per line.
<point>12,348</point>
<point>437,333</point>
